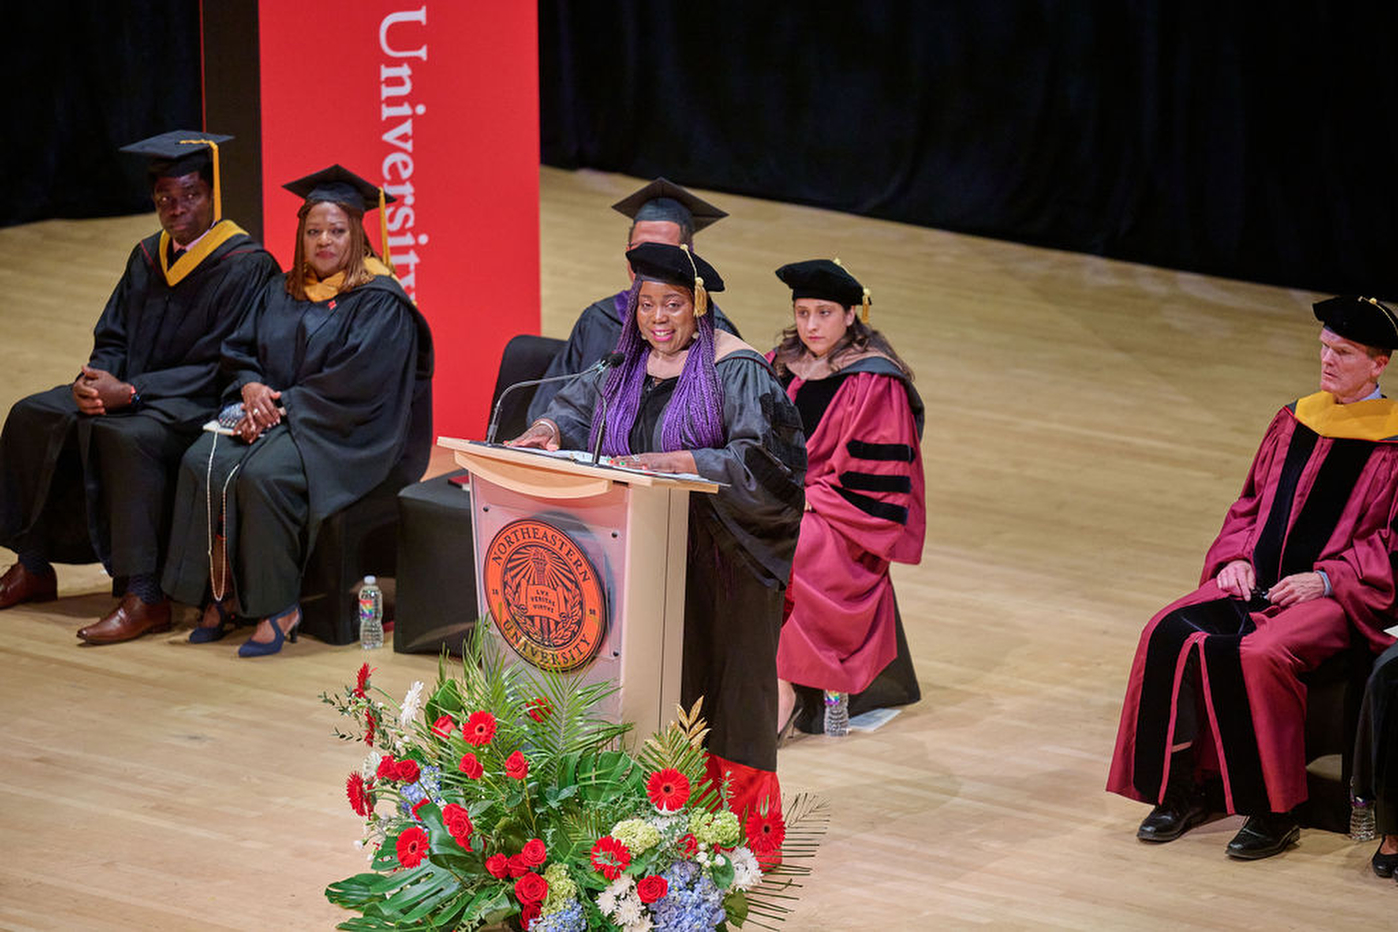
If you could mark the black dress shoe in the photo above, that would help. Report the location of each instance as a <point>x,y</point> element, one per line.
<point>1383,863</point>
<point>1180,812</point>
<point>1264,835</point>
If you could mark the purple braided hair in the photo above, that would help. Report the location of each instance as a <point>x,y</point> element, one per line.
<point>694,418</point>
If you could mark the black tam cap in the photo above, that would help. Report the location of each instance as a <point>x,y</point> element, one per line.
<point>340,185</point>
<point>823,280</point>
<point>181,152</point>
<point>661,262</point>
<point>665,200</point>
<point>1363,320</point>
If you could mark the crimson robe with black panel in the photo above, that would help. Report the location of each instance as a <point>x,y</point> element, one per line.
<point>354,375</point>
<point>1318,497</point>
<point>164,339</point>
<point>741,543</point>
<point>865,510</point>
<point>594,335</point>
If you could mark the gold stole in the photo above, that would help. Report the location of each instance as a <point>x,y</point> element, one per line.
<point>218,234</point>
<point>1374,420</point>
<point>323,290</point>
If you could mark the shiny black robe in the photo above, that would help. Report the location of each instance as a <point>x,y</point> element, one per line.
<point>354,374</point>
<point>741,543</point>
<point>77,488</point>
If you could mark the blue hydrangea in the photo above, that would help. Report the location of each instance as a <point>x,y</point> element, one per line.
<point>567,919</point>
<point>692,904</point>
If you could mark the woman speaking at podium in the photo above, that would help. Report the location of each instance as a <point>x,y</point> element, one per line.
<point>689,399</point>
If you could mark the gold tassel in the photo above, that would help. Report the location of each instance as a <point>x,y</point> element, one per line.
<point>701,296</point>
<point>218,195</point>
<point>383,236</point>
<point>864,312</point>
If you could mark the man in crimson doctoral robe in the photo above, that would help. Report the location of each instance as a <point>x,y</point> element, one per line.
<point>87,469</point>
<point>1302,569</point>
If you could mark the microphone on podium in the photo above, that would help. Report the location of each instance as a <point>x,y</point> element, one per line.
<point>606,362</point>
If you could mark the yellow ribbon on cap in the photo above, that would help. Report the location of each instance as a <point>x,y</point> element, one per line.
<point>1392,318</point>
<point>383,235</point>
<point>701,297</point>
<point>218,197</point>
<point>864,309</point>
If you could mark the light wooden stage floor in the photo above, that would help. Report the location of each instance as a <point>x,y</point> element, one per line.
<point>1089,422</point>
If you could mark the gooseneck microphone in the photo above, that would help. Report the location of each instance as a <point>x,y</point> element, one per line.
<point>606,362</point>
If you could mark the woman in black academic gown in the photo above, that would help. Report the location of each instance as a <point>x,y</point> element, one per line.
<point>692,399</point>
<point>326,370</point>
<point>1376,758</point>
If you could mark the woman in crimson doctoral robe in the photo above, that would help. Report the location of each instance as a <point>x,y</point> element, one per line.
<point>1302,569</point>
<point>331,396</point>
<point>843,640</point>
<point>691,399</point>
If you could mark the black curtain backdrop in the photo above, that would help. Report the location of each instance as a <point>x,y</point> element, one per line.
<point>1253,141</point>
<point>82,79</point>
<point>1247,140</point>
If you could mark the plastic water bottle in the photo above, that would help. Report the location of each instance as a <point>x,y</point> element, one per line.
<point>370,614</point>
<point>1362,824</point>
<point>836,714</point>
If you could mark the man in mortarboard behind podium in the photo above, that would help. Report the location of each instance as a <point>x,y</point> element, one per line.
<point>661,212</point>
<point>1302,569</point>
<point>87,469</point>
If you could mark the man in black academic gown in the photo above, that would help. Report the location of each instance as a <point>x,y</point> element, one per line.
<point>661,212</point>
<point>87,469</point>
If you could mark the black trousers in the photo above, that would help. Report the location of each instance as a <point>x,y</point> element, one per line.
<point>1376,743</point>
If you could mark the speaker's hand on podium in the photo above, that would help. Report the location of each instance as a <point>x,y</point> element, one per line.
<point>541,435</point>
<point>676,461</point>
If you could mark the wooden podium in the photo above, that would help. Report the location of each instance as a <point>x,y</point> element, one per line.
<point>581,568</point>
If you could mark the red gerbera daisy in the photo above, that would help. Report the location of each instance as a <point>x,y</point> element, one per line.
<point>413,846</point>
<point>668,789</point>
<point>361,681</point>
<point>369,726</point>
<point>360,799</point>
<point>610,857</point>
<point>766,832</point>
<point>479,728</point>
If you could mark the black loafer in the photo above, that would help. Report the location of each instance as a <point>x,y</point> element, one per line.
<point>1383,864</point>
<point>1173,817</point>
<point>1264,835</point>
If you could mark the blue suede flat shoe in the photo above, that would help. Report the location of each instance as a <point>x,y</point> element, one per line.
<point>205,634</point>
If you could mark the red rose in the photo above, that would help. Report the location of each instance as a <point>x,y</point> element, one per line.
<point>651,888</point>
<point>497,865</point>
<point>413,846</point>
<point>518,865</point>
<point>528,913</point>
<point>668,789</point>
<point>516,766</point>
<point>407,770</point>
<point>539,709</point>
<point>388,769</point>
<point>443,726</point>
<point>531,888</point>
<point>610,857</point>
<point>689,845</point>
<point>470,766</point>
<point>534,853</point>
<point>361,681</point>
<point>479,728</point>
<point>765,833</point>
<point>360,799</point>
<point>458,823</point>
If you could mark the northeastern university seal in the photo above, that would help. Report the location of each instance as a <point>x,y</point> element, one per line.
<point>544,595</point>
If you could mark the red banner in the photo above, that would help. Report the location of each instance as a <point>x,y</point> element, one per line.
<point>437,102</point>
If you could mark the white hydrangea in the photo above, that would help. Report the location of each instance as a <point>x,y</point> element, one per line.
<point>746,871</point>
<point>410,705</point>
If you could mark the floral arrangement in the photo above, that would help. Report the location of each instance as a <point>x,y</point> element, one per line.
<point>504,800</point>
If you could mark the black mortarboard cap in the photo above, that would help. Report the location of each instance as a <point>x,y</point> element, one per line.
<point>177,153</point>
<point>1363,320</point>
<point>665,200</point>
<point>340,185</point>
<point>823,280</point>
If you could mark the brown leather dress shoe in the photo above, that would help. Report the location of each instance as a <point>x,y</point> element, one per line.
<point>131,619</point>
<point>19,585</point>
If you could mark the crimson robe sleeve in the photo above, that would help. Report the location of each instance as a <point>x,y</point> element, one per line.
<point>1362,572</point>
